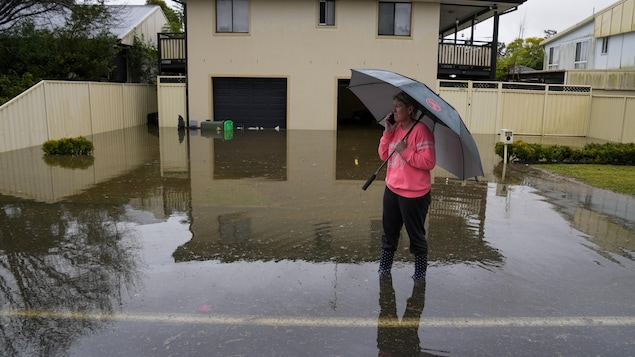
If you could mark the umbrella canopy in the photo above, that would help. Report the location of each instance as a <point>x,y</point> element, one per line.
<point>455,147</point>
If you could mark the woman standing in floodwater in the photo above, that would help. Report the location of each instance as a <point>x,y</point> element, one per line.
<point>407,194</point>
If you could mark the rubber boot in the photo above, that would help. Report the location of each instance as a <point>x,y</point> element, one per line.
<point>385,262</point>
<point>421,265</point>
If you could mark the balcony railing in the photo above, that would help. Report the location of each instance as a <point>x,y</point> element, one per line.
<point>467,60</point>
<point>172,52</point>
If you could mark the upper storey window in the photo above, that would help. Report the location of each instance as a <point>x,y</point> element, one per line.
<point>232,16</point>
<point>327,13</point>
<point>394,18</point>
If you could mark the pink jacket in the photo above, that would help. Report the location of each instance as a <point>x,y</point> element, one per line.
<point>408,173</point>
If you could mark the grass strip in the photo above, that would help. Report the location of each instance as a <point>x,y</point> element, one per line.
<point>619,179</point>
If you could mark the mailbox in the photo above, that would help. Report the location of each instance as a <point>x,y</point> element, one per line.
<point>507,136</point>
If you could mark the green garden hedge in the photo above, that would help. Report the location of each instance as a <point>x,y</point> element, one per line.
<point>606,154</point>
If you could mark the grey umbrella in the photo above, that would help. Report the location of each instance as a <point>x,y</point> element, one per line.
<point>455,147</point>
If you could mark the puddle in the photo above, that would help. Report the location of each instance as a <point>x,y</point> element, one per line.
<point>266,244</point>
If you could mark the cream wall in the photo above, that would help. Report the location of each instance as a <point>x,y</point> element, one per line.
<point>285,41</point>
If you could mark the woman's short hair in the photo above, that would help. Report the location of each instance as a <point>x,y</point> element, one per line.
<point>406,99</point>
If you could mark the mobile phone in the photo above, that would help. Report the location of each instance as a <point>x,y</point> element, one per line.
<point>391,119</point>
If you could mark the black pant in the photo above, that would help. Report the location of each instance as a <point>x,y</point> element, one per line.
<point>411,212</point>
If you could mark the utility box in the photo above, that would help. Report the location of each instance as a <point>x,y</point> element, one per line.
<point>507,136</point>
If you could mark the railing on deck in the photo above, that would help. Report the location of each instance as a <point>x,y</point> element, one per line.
<point>172,52</point>
<point>470,54</point>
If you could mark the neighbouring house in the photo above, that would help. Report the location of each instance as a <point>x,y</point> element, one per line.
<point>287,63</point>
<point>598,51</point>
<point>142,21</point>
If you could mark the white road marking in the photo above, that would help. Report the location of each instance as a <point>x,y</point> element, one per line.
<point>425,322</point>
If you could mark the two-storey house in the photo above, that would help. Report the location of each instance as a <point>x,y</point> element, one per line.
<point>283,63</point>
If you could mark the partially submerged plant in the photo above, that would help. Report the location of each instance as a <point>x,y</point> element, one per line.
<point>68,146</point>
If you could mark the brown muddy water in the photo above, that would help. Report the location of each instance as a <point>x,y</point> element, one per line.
<point>262,243</point>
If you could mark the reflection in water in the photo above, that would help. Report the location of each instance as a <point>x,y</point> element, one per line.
<point>608,218</point>
<point>251,154</point>
<point>315,210</point>
<point>397,337</point>
<point>61,257</point>
<point>68,240</point>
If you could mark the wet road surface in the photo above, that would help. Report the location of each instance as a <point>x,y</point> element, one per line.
<point>264,244</point>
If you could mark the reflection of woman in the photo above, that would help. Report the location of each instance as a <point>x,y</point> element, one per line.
<point>394,337</point>
<point>407,194</point>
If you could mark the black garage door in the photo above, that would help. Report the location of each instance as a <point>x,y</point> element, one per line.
<point>251,102</point>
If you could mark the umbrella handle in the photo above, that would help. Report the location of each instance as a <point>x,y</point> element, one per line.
<point>369,181</point>
<point>374,175</point>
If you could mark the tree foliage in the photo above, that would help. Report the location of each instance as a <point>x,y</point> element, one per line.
<point>175,16</point>
<point>520,52</point>
<point>81,49</point>
<point>13,11</point>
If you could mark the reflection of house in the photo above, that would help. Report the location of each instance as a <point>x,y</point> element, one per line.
<point>244,57</point>
<point>304,212</point>
<point>598,51</point>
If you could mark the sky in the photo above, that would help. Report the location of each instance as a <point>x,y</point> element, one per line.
<point>535,16</point>
<point>530,20</point>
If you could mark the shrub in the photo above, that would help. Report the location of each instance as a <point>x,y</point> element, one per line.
<point>68,146</point>
<point>593,153</point>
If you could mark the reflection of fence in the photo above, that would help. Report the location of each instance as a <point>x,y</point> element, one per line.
<point>457,213</point>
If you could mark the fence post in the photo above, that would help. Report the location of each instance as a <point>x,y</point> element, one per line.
<point>544,111</point>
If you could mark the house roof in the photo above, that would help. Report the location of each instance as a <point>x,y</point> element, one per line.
<point>460,13</point>
<point>126,18</point>
<point>131,17</point>
<point>598,19</point>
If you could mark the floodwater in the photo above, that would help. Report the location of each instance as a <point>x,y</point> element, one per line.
<point>262,243</point>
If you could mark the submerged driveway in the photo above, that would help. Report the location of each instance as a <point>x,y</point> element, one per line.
<point>265,245</point>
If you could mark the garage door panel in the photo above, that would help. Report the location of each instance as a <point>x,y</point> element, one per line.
<point>258,102</point>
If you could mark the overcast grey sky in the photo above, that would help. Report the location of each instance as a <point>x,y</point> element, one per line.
<point>535,16</point>
<point>530,20</point>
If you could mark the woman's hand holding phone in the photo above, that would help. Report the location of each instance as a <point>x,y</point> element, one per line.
<point>389,121</point>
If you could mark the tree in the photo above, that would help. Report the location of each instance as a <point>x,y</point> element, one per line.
<point>81,49</point>
<point>520,52</point>
<point>175,17</point>
<point>13,11</point>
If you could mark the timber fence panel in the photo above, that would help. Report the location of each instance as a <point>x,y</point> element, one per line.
<point>628,133</point>
<point>137,104</point>
<point>68,109</point>
<point>607,118</point>
<point>566,113</point>
<point>484,108</point>
<point>172,100</point>
<point>23,120</point>
<point>106,107</point>
<point>523,111</point>
<point>457,98</point>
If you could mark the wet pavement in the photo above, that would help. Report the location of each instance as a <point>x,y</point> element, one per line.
<point>262,243</point>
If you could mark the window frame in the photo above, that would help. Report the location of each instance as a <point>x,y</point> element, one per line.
<point>393,19</point>
<point>553,58</point>
<point>240,16</point>
<point>605,46</point>
<point>581,56</point>
<point>326,13</point>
